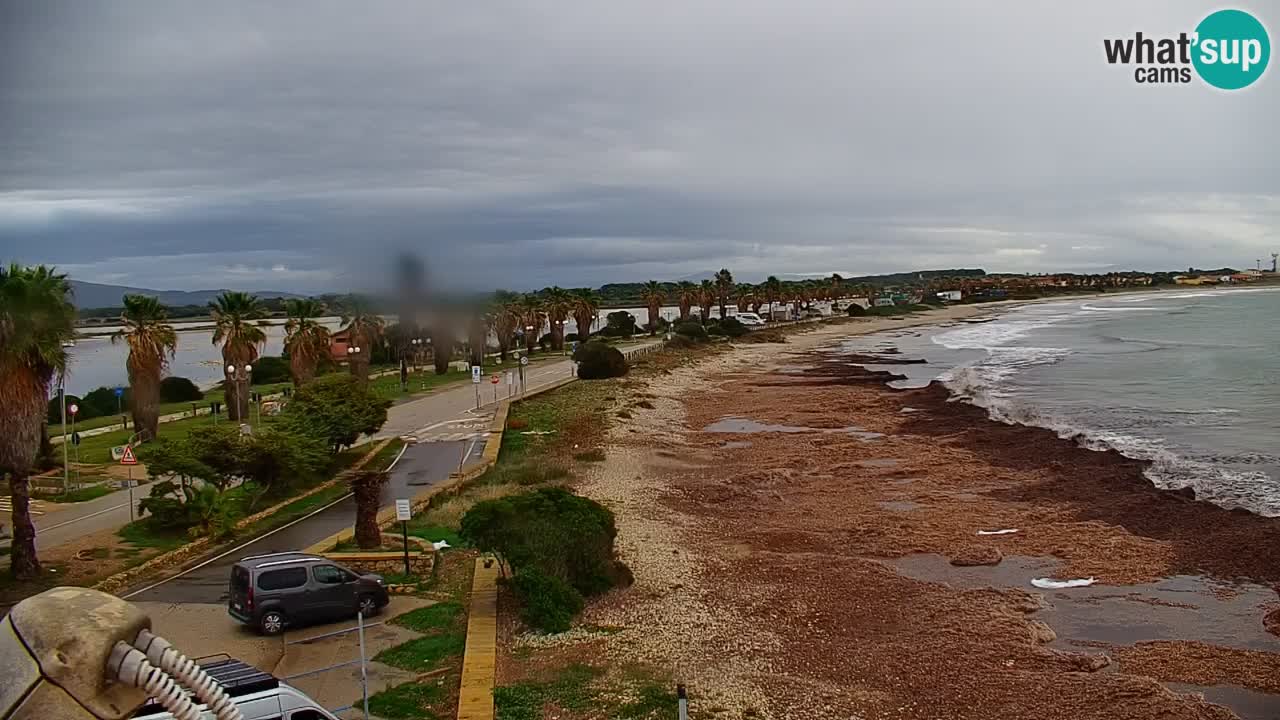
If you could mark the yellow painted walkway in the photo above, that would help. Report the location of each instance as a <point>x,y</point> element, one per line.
<point>475,699</point>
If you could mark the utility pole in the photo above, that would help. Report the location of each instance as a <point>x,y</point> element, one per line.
<point>66,468</point>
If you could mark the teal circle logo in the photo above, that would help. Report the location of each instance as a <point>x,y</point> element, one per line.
<point>1231,49</point>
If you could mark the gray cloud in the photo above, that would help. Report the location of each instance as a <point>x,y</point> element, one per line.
<point>294,145</point>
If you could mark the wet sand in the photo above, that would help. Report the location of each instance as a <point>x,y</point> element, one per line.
<point>806,544</point>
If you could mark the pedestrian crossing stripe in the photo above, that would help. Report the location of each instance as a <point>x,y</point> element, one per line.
<point>6,505</point>
<point>452,437</point>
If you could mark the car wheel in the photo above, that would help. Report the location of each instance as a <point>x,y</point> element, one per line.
<point>368,606</point>
<point>271,622</point>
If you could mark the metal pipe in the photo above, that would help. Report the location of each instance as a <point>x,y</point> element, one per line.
<point>364,678</point>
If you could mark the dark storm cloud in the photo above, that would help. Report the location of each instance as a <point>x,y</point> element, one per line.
<point>298,145</point>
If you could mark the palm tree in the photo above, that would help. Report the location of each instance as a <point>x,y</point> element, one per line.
<point>836,281</point>
<point>365,328</point>
<point>772,291</point>
<point>503,317</point>
<point>706,298</point>
<point>533,316</point>
<point>724,282</point>
<point>586,311</point>
<point>367,488</point>
<point>558,302</point>
<point>241,340</point>
<point>742,294</point>
<point>305,340</point>
<point>152,342</point>
<point>442,341</point>
<point>654,296</point>
<point>37,320</point>
<point>687,295</point>
<point>477,336</point>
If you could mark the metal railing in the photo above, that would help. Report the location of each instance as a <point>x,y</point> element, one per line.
<point>362,661</point>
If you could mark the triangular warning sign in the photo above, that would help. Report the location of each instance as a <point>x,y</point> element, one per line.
<point>127,458</point>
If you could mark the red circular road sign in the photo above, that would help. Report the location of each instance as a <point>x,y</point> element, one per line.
<point>494,379</point>
<point>73,409</point>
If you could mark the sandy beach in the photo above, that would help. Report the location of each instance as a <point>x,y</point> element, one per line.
<point>808,543</point>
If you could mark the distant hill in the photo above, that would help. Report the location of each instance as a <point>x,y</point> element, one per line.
<point>96,295</point>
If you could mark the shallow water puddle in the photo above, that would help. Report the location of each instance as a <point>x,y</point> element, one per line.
<point>1183,607</point>
<point>1248,704</point>
<point>733,424</point>
<point>732,444</point>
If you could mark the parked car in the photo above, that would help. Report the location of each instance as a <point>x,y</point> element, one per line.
<point>258,695</point>
<point>272,592</point>
<point>749,319</point>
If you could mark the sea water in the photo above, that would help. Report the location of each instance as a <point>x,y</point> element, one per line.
<point>1188,379</point>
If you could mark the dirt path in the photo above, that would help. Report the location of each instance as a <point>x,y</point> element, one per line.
<point>831,567</point>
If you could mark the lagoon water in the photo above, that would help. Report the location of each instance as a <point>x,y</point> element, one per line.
<point>95,362</point>
<point>1188,379</point>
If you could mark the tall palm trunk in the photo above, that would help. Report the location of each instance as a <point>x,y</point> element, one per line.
<point>235,391</point>
<point>477,337</point>
<point>441,349</point>
<point>302,369</point>
<point>24,399</point>
<point>655,311</point>
<point>583,318</point>
<point>358,364</point>
<point>144,400</point>
<point>367,488</point>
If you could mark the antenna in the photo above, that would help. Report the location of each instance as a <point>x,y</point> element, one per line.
<point>1274,258</point>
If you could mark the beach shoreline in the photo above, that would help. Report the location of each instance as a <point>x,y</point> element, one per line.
<point>829,563</point>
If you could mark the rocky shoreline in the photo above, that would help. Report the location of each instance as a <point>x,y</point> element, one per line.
<point>831,564</point>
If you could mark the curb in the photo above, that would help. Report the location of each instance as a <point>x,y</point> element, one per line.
<point>492,446</point>
<point>124,578</point>
<point>479,659</point>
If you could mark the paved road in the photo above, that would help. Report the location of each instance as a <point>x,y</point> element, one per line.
<point>422,464</point>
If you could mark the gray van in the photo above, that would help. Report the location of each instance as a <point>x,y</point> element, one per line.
<point>271,592</point>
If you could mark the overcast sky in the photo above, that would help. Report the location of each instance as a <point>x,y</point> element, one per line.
<point>297,145</point>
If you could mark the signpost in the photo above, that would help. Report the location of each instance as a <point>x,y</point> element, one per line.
<point>524,360</point>
<point>511,382</point>
<point>404,511</point>
<point>475,380</point>
<point>128,460</point>
<point>494,380</point>
<point>73,410</point>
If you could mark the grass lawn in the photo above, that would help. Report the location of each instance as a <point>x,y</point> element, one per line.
<point>425,653</point>
<point>210,396</point>
<point>431,618</point>
<point>84,494</point>
<point>407,702</point>
<point>96,449</point>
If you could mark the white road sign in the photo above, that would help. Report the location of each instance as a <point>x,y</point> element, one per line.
<point>524,361</point>
<point>475,374</point>
<point>403,511</point>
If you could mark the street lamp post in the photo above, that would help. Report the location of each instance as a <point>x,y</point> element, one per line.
<point>560,334</point>
<point>240,376</point>
<point>353,357</point>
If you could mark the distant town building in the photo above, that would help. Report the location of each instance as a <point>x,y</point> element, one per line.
<point>884,302</point>
<point>949,295</point>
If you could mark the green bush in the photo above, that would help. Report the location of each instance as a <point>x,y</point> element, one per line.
<point>680,342</point>
<point>271,369</point>
<point>733,327</point>
<point>555,534</point>
<point>619,324</point>
<point>692,329</point>
<point>55,410</point>
<point>713,328</point>
<point>547,603</point>
<point>855,310</point>
<point>179,389</point>
<point>596,360</point>
<point>337,409</point>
